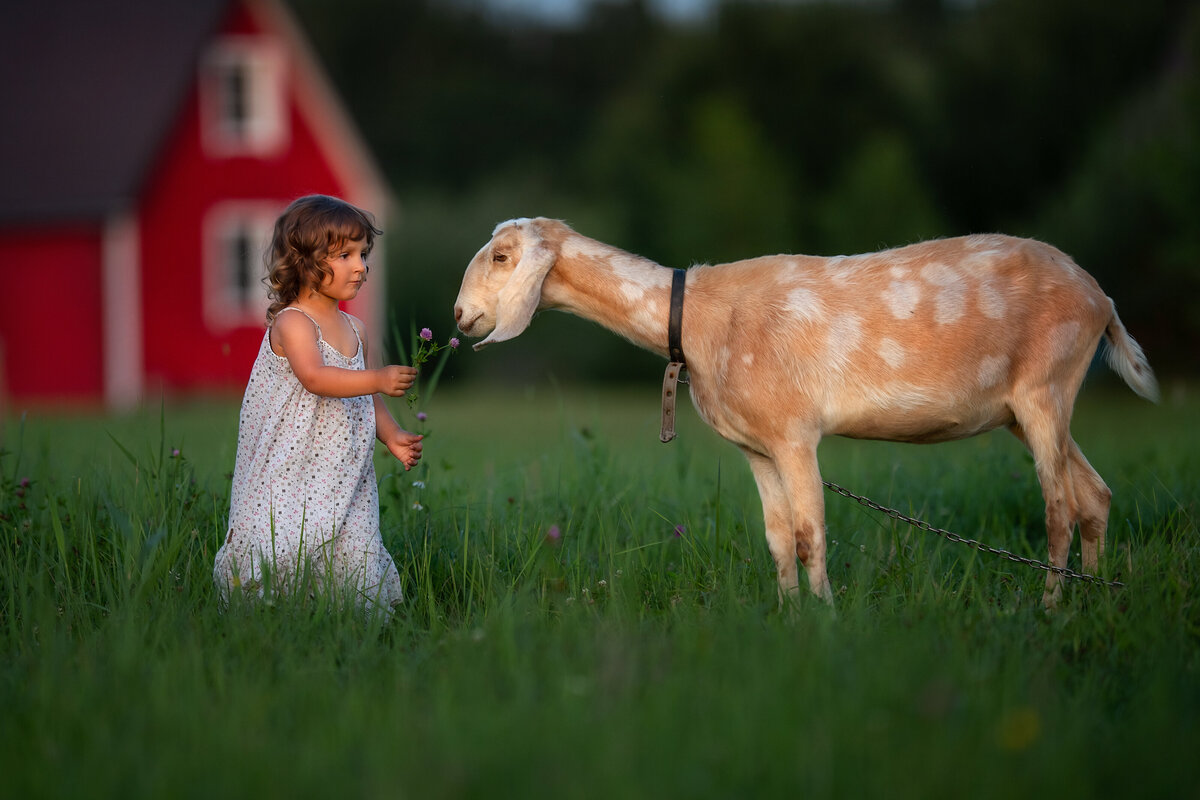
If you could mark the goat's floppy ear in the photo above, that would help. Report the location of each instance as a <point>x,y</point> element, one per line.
<point>521,295</point>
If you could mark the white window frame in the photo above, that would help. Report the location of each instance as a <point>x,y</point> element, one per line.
<point>262,128</point>
<point>235,295</point>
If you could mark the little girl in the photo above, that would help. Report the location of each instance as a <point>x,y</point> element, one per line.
<point>305,507</point>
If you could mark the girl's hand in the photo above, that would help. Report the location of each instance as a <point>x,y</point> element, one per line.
<point>395,380</point>
<point>406,447</point>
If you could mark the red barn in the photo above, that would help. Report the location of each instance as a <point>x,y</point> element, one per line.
<point>147,149</point>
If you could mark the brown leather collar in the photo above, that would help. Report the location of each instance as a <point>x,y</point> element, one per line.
<point>678,363</point>
<point>675,320</point>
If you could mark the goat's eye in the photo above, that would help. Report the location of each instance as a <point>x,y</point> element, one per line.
<point>499,257</point>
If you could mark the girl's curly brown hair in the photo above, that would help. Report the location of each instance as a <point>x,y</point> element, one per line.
<point>305,234</point>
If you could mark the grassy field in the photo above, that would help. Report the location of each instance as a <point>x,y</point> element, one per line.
<point>638,653</point>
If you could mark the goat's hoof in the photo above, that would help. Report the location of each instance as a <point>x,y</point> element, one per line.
<point>1050,601</point>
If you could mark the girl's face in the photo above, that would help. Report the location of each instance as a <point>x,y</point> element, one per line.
<point>348,263</point>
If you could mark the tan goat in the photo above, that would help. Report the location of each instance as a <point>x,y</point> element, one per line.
<point>926,343</point>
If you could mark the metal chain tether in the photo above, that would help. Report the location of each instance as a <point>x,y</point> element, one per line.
<point>954,537</point>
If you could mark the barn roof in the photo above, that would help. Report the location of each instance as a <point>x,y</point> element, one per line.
<point>89,91</point>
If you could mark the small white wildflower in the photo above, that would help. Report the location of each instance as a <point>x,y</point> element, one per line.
<point>602,583</point>
<point>417,506</point>
<point>419,484</point>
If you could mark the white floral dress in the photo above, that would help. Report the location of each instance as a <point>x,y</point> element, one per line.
<point>304,508</point>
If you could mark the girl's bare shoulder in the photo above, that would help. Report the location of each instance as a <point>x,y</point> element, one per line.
<point>291,327</point>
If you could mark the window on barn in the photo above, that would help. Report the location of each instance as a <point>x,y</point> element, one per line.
<point>240,258</point>
<point>235,239</point>
<point>234,112</point>
<point>243,112</point>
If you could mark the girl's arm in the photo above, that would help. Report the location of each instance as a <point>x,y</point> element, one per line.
<point>405,446</point>
<point>297,336</point>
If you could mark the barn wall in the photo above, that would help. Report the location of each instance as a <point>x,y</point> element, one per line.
<point>183,351</point>
<point>50,315</point>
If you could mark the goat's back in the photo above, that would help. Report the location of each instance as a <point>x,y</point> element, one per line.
<point>920,343</point>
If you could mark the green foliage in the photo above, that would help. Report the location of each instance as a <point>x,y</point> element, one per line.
<point>1133,204</point>
<point>559,637</point>
<point>774,127</point>
<point>724,167</point>
<point>879,198</point>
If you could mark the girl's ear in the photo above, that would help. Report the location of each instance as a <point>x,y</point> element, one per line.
<point>520,296</point>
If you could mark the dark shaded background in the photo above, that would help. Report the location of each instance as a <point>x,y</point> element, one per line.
<point>809,127</point>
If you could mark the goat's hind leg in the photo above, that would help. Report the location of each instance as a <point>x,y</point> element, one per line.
<point>1041,427</point>
<point>1092,501</point>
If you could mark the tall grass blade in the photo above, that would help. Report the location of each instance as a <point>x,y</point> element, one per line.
<point>60,542</point>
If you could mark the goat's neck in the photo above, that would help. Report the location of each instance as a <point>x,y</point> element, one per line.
<point>627,294</point>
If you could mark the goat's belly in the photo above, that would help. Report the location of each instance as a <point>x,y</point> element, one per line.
<point>920,425</point>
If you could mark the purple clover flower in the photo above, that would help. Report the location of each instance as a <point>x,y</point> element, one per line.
<point>680,531</point>
<point>426,334</point>
<point>454,343</point>
<point>422,416</point>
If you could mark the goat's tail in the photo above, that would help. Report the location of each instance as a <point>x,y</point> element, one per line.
<point>1125,356</point>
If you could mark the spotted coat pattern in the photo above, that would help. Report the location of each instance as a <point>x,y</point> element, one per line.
<point>925,343</point>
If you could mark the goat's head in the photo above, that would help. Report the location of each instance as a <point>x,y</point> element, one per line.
<point>503,283</point>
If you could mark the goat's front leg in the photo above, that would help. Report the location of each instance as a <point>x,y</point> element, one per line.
<point>794,510</point>
<point>802,481</point>
<point>777,519</point>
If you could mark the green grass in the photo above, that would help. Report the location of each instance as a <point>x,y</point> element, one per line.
<point>618,660</point>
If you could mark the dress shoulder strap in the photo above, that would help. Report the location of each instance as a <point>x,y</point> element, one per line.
<point>305,313</point>
<point>353,327</point>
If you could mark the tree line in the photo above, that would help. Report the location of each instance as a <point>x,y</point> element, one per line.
<point>766,127</point>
